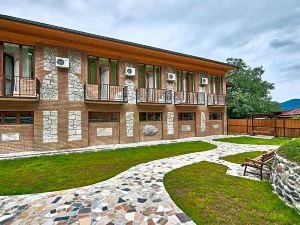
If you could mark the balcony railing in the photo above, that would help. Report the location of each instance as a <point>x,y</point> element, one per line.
<point>153,96</point>
<point>214,99</point>
<point>105,93</point>
<point>20,88</point>
<point>189,98</point>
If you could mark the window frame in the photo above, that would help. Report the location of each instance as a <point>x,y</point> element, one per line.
<point>99,117</point>
<point>98,77</point>
<point>219,116</point>
<point>180,81</point>
<point>2,66</point>
<point>18,117</point>
<point>147,116</point>
<point>154,73</point>
<point>180,117</point>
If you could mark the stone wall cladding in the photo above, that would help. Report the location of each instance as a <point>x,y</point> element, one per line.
<point>49,84</point>
<point>129,117</point>
<point>170,123</point>
<point>131,91</point>
<point>202,122</point>
<point>285,181</point>
<point>104,132</point>
<point>74,126</point>
<point>75,88</point>
<point>50,126</point>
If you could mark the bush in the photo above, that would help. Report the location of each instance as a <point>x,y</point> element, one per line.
<point>296,118</point>
<point>291,150</point>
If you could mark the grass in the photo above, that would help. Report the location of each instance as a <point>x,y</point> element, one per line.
<point>291,150</point>
<point>255,141</point>
<point>209,196</point>
<point>50,173</point>
<point>240,158</point>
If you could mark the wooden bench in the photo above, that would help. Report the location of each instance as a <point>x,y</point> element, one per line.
<point>259,162</point>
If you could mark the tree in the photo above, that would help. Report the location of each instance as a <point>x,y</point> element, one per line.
<point>247,92</point>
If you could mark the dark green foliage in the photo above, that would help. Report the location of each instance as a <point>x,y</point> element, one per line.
<point>248,93</point>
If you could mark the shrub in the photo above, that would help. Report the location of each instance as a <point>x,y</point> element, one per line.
<point>291,150</point>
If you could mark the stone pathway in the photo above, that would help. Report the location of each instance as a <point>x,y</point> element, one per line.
<point>136,196</point>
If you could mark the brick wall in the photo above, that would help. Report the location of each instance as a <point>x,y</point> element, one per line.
<point>62,93</point>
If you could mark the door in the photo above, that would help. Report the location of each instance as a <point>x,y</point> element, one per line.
<point>150,86</point>
<point>104,82</point>
<point>9,75</point>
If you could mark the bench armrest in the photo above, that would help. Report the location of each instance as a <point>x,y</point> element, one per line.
<point>258,163</point>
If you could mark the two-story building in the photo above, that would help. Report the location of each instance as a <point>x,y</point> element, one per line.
<point>61,88</point>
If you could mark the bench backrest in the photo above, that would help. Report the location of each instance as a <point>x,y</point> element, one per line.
<point>268,156</point>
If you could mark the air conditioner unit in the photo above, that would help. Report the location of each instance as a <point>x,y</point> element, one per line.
<point>130,71</point>
<point>204,80</point>
<point>62,62</point>
<point>171,76</point>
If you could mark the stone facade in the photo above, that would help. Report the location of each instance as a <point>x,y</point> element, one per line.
<point>74,126</point>
<point>129,116</point>
<point>202,122</point>
<point>49,84</point>
<point>50,126</point>
<point>170,123</point>
<point>75,88</point>
<point>104,132</point>
<point>131,91</point>
<point>10,137</point>
<point>149,130</point>
<point>285,180</point>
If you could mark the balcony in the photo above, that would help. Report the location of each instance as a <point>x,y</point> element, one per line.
<point>20,89</point>
<point>105,93</point>
<point>189,98</point>
<point>153,96</point>
<point>216,100</point>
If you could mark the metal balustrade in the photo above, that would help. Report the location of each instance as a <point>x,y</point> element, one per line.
<point>105,93</point>
<point>20,88</point>
<point>154,96</point>
<point>215,100</point>
<point>189,98</point>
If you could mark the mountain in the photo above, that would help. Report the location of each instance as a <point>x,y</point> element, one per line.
<point>290,104</point>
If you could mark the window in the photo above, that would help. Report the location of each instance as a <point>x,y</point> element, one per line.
<point>150,116</point>
<point>149,76</point>
<point>103,71</point>
<point>215,84</point>
<point>186,116</point>
<point>104,117</point>
<point>215,116</point>
<point>18,62</point>
<point>185,80</point>
<point>16,118</point>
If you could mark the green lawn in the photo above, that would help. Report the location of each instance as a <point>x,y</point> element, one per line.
<point>291,150</point>
<point>240,158</point>
<point>254,141</point>
<point>50,173</point>
<point>209,196</point>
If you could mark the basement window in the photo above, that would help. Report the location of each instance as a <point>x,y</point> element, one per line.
<point>150,116</point>
<point>11,118</point>
<point>216,116</point>
<point>104,117</point>
<point>186,116</point>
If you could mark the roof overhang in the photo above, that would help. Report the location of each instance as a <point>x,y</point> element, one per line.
<point>28,32</point>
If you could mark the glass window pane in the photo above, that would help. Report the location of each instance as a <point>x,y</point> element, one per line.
<point>103,62</point>
<point>92,70</point>
<point>141,75</point>
<point>149,68</point>
<point>26,117</point>
<point>142,116</point>
<point>158,77</point>
<point>10,118</point>
<point>178,72</point>
<point>114,72</point>
<point>28,62</point>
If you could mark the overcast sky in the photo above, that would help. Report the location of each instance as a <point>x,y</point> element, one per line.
<point>262,32</point>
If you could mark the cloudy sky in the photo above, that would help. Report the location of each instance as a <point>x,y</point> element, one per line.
<point>262,32</point>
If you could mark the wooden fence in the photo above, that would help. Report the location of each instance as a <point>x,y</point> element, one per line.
<point>275,127</point>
